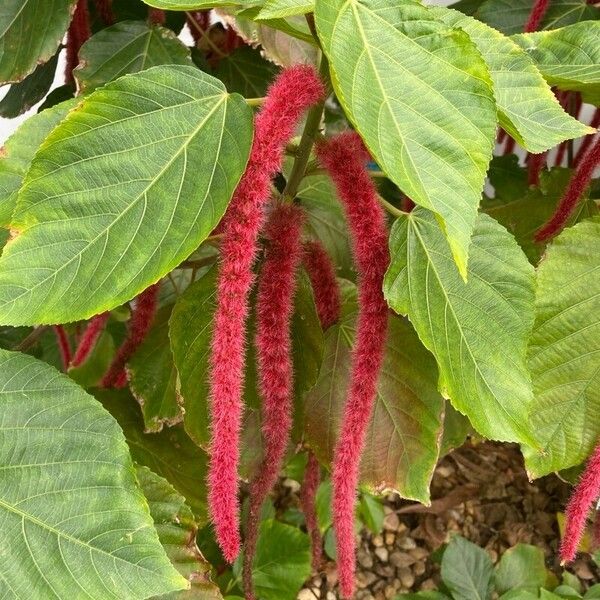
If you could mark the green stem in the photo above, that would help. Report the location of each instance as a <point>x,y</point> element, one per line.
<point>254,101</point>
<point>313,120</point>
<point>396,212</point>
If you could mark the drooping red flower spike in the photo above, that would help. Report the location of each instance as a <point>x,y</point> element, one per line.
<point>79,32</point>
<point>156,16</point>
<point>64,345</point>
<point>105,11</point>
<point>308,496</point>
<point>291,94</point>
<point>588,139</point>
<point>140,322</point>
<point>596,531</point>
<point>89,338</point>
<point>586,492</point>
<point>344,158</point>
<point>538,10</point>
<point>570,199</point>
<point>198,22</point>
<point>274,309</point>
<point>534,169</point>
<point>321,273</point>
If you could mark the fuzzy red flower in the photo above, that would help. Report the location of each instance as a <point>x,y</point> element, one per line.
<point>537,162</point>
<point>141,320</point>
<point>538,10</point>
<point>588,139</point>
<point>89,338</point>
<point>156,16</point>
<point>308,496</point>
<point>321,273</point>
<point>584,495</point>
<point>64,345</point>
<point>274,309</point>
<point>79,32</point>
<point>570,199</point>
<point>291,94</point>
<point>344,158</point>
<point>105,11</point>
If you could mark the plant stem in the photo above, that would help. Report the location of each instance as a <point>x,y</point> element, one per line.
<point>313,120</point>
<point>396,212</point>
<point>254,101</point>
<point>31,339</point>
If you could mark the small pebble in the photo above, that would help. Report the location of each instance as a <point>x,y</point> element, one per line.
<point>406,577</point>
<point>382,554</point>
<point>407,543</point>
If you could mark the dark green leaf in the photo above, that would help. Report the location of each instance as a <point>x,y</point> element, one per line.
<point>523,568</point>
<point>246,72</point>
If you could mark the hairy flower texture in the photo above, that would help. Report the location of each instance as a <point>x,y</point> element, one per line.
<point>274,309</point>
<point>570,199</point>
<point>344,158</point>
<point>509,146</point>
<point>105,11</point>
<point>588,139</point>
<point>79,32</point>
<point>534,167</point>
<point>198,22</point>
<point>291,94</point>
<point>538,10</point>
<point>308,497</point>
<point>141,320</point>
<point>89,338</point>
<point>584,495</point>
<point>321,273</point>
<point>156,16</point>
<point>64,345</point>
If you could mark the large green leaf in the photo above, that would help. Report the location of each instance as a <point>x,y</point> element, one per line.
<point>197,4</point>
<point>420,95</point>
<point>122,191</point>
<point>153,377</point>
<point>569,58</point>
<point>170,453</point>
<point>526,213</point>
<point>23,95</point>
<point>477,330</point>
<point>73,520</point>
<point>510,16</point>
<point>176,528</point>
<point>522,567</point>
<point>527,108</point>
<point>127,47</point>
<point>18,152</point>
<point>403,439</point>
<point>282,561</point>
<point>30,33</point>
<point>467,570</point>
<point>564,354</point>
<point>274,9</point>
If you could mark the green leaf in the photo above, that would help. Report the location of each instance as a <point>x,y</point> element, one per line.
<point>510,16</point>
<point>274,9</point>
<point>593,592</point>
<point>92,370</point>
<point>73,519</point>
<point>478,330</point>
<point>246,72</point>
<point>403,438</point>
<point>25,94</point>
<point>467,570</point>
<point>371,512</point>
<point>564,352</point>
<point>197,4</point>
<point>18,152</point>
<point>421,96</point>
<point>456,429</point>
<point>170,453</point>
<point>521,567</point>
<point>508,179</point>
<point>525,214</point>
<point>176,528</point>
<point>127,47</point>
<point>569,58</point>
<point>130,184</point>
<point>30,33</point>
<point>282,561</point>
<point>423,596</point>
<point>153,377</point>
<point>527,108</point>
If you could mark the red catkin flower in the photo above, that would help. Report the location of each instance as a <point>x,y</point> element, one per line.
<point>596,531</point>
<point>570,199</point>
<point>141,320</point>
<point>275,306</point>
<point>308,496</point>
<point>534,168</point>
<point>510,145</point>
<point>156,16</point>
<point>321,273</point>
<point>344,158</point>
<point>588,139</point>
<point>79,32</point>
<point>291,94</point>
<point>198,22</point>
<point>105,11</point>
<point>538,10</point>
<point>64,345</point>
<point>584,495</point>
<point>89,338</point>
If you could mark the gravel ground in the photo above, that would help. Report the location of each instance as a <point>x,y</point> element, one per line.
<point>479,491</point>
